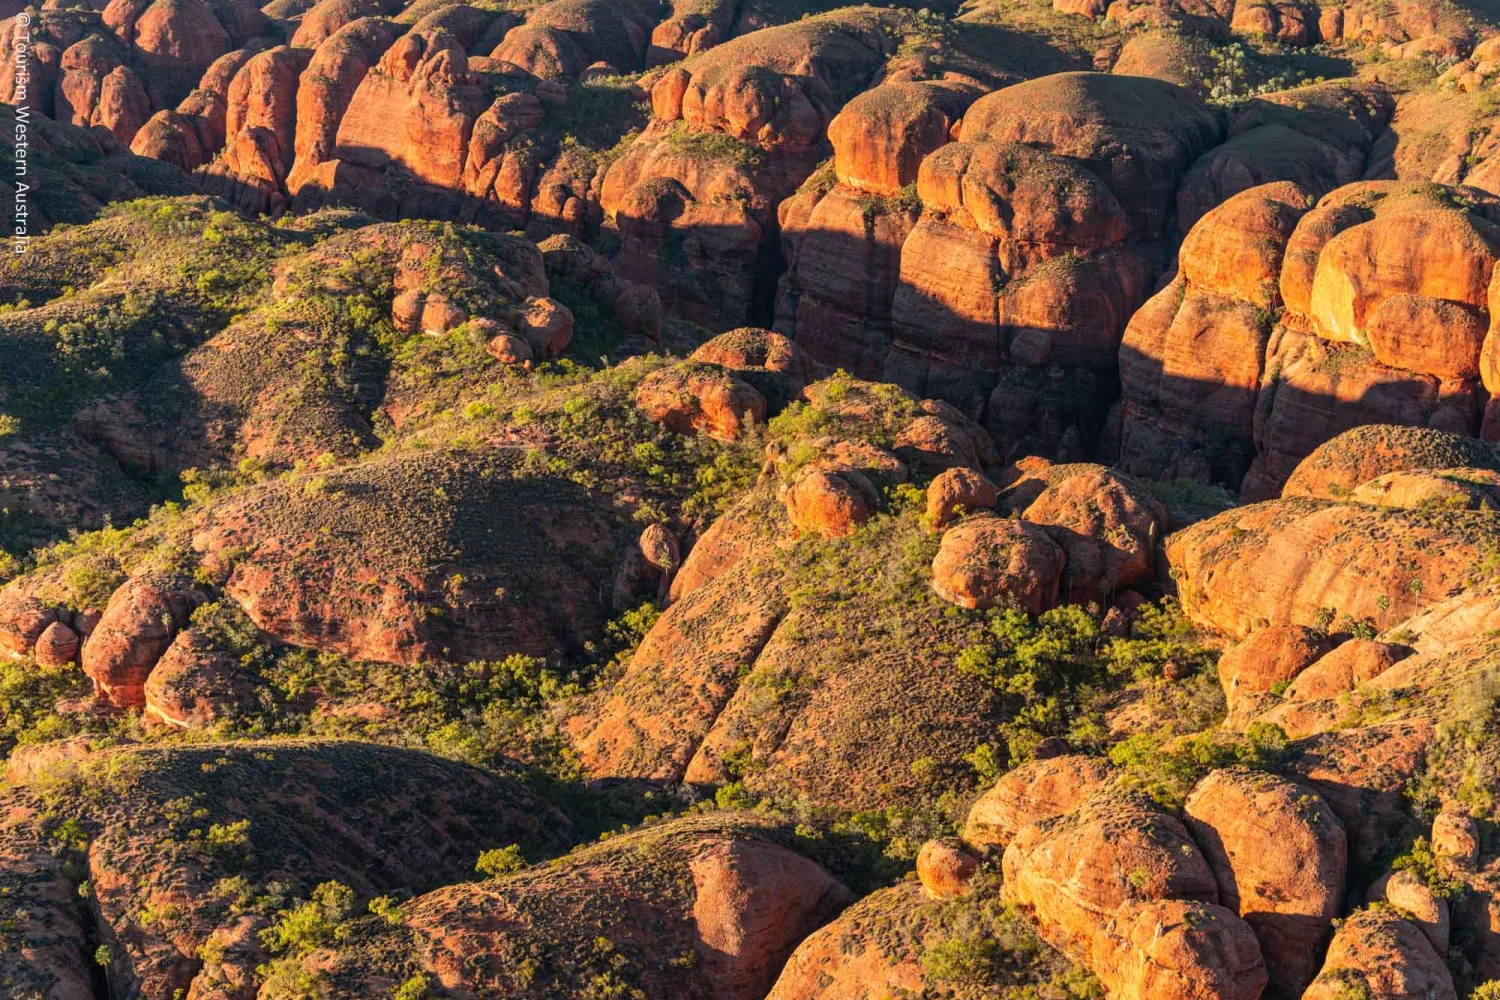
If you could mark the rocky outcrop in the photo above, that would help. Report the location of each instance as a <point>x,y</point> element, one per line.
<point>138,625</point>
<point>96,87</point>
<point>1108,526</point>
<point>1035,245</point>
<point>1300,354</point>
<point>727,890</point>
<point>1192,358</point>
<point>1173,950</point>
<point>865,208</point>
<point>1269,660</point>
<point>986,560</point>
<point>1072,873</point>
<point>260,129</point>
<point>694,397</point>
<point>1282,562</point>
<point>1385,957</point>
<point>1034,792</point>
<point>195,686</point>
<point>958,491</point>
<point>1346,462</point>
<point>1279,855</point>
<point>118,67</point>
<point>560,39</point>
<point>735,129</point>
<point>23,619</point>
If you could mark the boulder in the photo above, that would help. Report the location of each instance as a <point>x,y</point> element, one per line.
<point>1456,838</point>
<point>693,397</point>
<point>1036,791</point>
<point>1173,949</point>
<point>778,368</point>
<point>1415,901</point>
<point>1108,526</point>
<point>23,619</point>
<point>1377,954</point>
<point>945,868</point>
<point>1279,855</point>
<point>955,491</point>
<point>988,560</point>
<point>1428,261</point>
<point>941,437</point>
<point>1073,872</point>
<point>57,646</point>
<point>831,503</point>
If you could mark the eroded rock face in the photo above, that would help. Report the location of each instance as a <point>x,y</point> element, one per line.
<point>1345,668</point>
<point>1269,659</point>
<point>694,224</point>
<point>1193,356</point>
<point>1279,855</point>
<point>1356,273</point>
<point>1290,323</point>
<point>1384,955</point>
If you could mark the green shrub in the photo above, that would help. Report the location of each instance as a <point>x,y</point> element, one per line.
<point>1424,863</point>
<point>500,861</point>
<point>416,988</point>
<point>311,924</point>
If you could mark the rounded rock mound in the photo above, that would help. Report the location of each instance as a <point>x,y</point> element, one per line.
<point>987,560</point>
